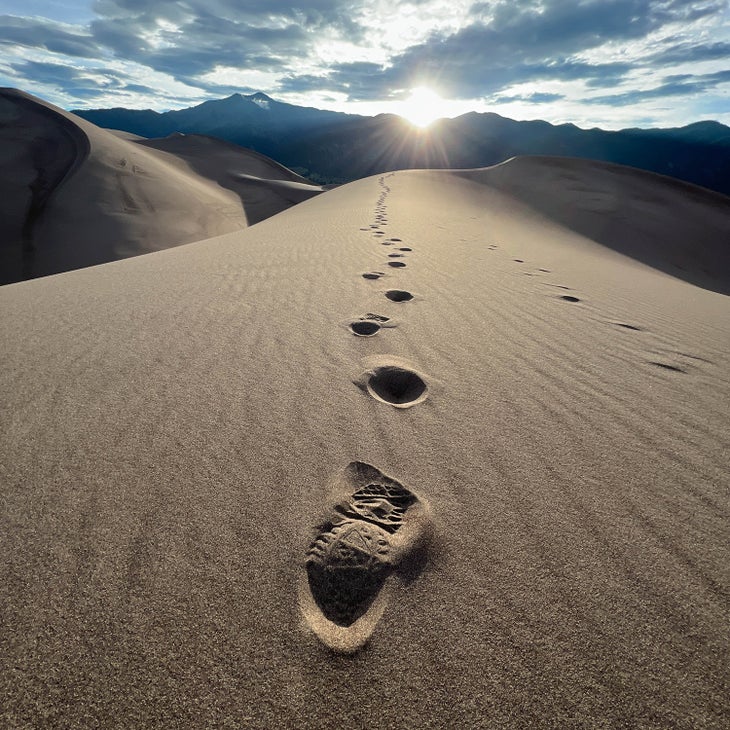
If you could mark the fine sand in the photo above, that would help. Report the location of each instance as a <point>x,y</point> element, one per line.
<point>431,450</point>
<point>75,195</point>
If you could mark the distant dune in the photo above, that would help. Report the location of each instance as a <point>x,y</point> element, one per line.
<point>74,195</point>
<point>678,228</point>
<point>264,186</point>
<point>430,450</point>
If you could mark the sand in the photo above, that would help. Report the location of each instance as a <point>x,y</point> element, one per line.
<point>178,428</point>
<point>75,195</point>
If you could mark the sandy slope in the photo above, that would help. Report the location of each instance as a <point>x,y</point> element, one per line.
<point>176,426</point>
<point>264,186</point>
<point>104,196</point>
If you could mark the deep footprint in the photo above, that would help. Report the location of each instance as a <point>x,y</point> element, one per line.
<point>397,386</point>
<point>398,295</point>
<point>373,275</point>
<point>365,328</point>
<point>568,298</point>
<point>366,537</point>
<point>396,264</point>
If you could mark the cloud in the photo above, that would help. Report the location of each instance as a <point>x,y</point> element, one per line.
<point>692,53</point>
<point>519,39</point>
<point>676,85</point>
<point>488,50</point>
<point>536,98</point>
<point>48,35</point>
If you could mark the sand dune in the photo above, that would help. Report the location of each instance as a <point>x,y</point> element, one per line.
<point>74,195</point>
<point>673,226</point>
<point>264,186</point>
<point>414,453</point>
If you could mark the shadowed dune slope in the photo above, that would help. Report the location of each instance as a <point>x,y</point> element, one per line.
<point>264,186</point>
<point>676,227</point>
<point>495,472</point>
<point>74,195</point>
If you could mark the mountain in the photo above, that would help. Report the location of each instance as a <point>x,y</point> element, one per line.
<point>335,147</point>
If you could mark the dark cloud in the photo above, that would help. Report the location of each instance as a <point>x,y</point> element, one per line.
<point>36,33</point>
<point>536,98</point>
<point>66,76</point>
<point>303,84</point>
<point>677,85</point>
<point>202,43</point>
<point>690,53</point>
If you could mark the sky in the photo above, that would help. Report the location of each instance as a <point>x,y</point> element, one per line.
<point>606,63</point>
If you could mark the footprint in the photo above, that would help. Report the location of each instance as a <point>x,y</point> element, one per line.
<point>364,328</point>
<point>405,248</point>
<point>395,255</point>
<point>568,298</point>
<point>395,385</point>
<point>373,274</point>
<point>375,317</point>
<point>396,240</point>
<point>545,271</point>
<point>667,366</point>
<point>628,326</point>
<point>519,261</point>
<point>376,530</point>
<point>398,295</point>
<point>396,264</point>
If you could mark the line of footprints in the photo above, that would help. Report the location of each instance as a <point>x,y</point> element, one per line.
<point>378,526</point>
<point>662,354</point>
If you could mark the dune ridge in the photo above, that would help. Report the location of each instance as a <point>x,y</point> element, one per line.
<point>173,425</point>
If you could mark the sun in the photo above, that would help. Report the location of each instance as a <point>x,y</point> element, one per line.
<point>422,107</point>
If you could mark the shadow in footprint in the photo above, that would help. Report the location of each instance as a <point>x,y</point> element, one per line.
<point>398,295</point>
<point>373,274</point>
<point>667,366</point>
<point>365,328</point>
<point>627,326</point>
<point>568,298</point>
<point>397,386</point>
<point>396,264</point>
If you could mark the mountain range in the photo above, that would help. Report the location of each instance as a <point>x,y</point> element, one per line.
<point>333,147</point>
